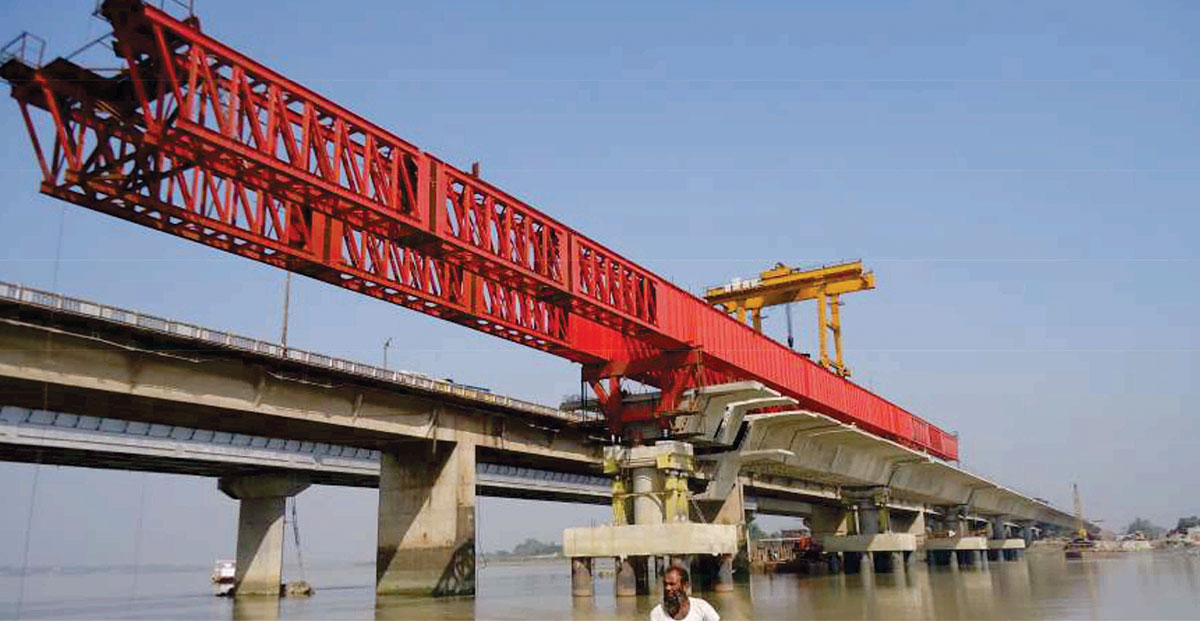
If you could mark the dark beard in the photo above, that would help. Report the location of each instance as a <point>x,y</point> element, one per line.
<point>672,602</point>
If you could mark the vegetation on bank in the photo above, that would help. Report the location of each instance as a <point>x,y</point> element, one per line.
<point>529,548</point>
<point>1154,531</point>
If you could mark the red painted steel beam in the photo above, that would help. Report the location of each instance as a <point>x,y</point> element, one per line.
<point>200,141</point>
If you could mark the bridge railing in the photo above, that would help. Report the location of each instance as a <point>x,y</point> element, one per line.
<point>45,299</point>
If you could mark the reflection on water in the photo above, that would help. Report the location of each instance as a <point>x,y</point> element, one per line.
<point>1164,585</point>
<point>256,609</point>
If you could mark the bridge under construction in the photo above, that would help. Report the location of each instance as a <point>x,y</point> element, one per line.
<point>198,140</point>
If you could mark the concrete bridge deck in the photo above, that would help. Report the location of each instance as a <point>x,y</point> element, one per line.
<point>64,357</point>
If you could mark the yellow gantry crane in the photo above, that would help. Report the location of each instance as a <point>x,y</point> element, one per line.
<point>784,285</point>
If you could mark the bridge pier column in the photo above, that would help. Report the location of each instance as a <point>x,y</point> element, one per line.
<point>723,581</point>
<point>582,584</point>
<point>871,503</point>
<point>262,500</point>
<point>426,533</point>
<point>998,529</point>
<point>633,576</point>
<point>998,532</point>
<point>626,578</point>
<point>1027,531</point>
<point>828,521</point>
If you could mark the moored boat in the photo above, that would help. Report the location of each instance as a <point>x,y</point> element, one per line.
<point>223,575</point>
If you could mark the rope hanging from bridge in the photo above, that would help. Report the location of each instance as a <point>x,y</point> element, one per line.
<point>137,537</point>
<point>296,536</point>
<point>37,466</point>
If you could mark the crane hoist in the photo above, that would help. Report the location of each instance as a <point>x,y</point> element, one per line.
<point>782,285</point>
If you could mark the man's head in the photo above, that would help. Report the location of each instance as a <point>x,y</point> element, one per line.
<point>675,587</point>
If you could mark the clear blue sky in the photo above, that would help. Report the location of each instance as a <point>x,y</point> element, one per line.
<point>1021,176</point>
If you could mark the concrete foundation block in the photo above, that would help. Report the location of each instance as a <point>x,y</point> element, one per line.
<point>1006,544</point>
<point>957,543</point>
<point>883,542</point>
<point>651,539</point>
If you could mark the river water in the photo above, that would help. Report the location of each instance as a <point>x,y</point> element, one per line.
<point>1145,585</point>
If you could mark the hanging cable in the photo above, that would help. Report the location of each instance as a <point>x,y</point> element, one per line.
<point>137,538</point>
<point>481,557</point>
<point>296,534</point>
<point>37,466</point>
<point>28,533</point>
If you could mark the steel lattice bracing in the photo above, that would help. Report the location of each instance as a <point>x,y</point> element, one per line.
<point>200,141</point>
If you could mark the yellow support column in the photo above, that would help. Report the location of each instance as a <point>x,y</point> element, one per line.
<point>823,323</point>
<point>618,502</point>
<point>836,326</point>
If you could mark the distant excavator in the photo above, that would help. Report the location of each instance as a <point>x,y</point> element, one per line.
<point>1082,540</point>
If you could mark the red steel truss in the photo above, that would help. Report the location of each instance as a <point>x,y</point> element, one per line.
<point>195,139</point>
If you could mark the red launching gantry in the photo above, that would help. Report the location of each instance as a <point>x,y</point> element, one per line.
<point>195,139</point>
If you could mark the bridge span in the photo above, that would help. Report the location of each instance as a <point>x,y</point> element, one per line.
<point>85,384</point>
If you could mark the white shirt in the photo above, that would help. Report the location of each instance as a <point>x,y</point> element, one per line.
<point>698,610</point>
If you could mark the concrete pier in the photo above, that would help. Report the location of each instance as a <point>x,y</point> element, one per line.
<point>582,582</point>
<point>1026,531</point>
<point>263,499</point>
<point>957,551</point>
<point>426,535</point>
<point>648,502</point>
<point>723,582</point>
<point>1005,549</point>
<point>874,548</point>
<point>712,572</point>
<point>882,553</point>
<point>626,578</point>
<point>658,503</point>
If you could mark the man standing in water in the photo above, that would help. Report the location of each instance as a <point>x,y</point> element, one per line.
<point>676,604</point>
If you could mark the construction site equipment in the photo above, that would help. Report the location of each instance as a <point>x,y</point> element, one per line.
<point>782,285</point>
<point>1081,532</point>
<point>195,139</point>
<point>1081,542</point>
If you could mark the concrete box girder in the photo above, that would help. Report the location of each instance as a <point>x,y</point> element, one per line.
<point>813,447</point>
<point>713,407</point>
